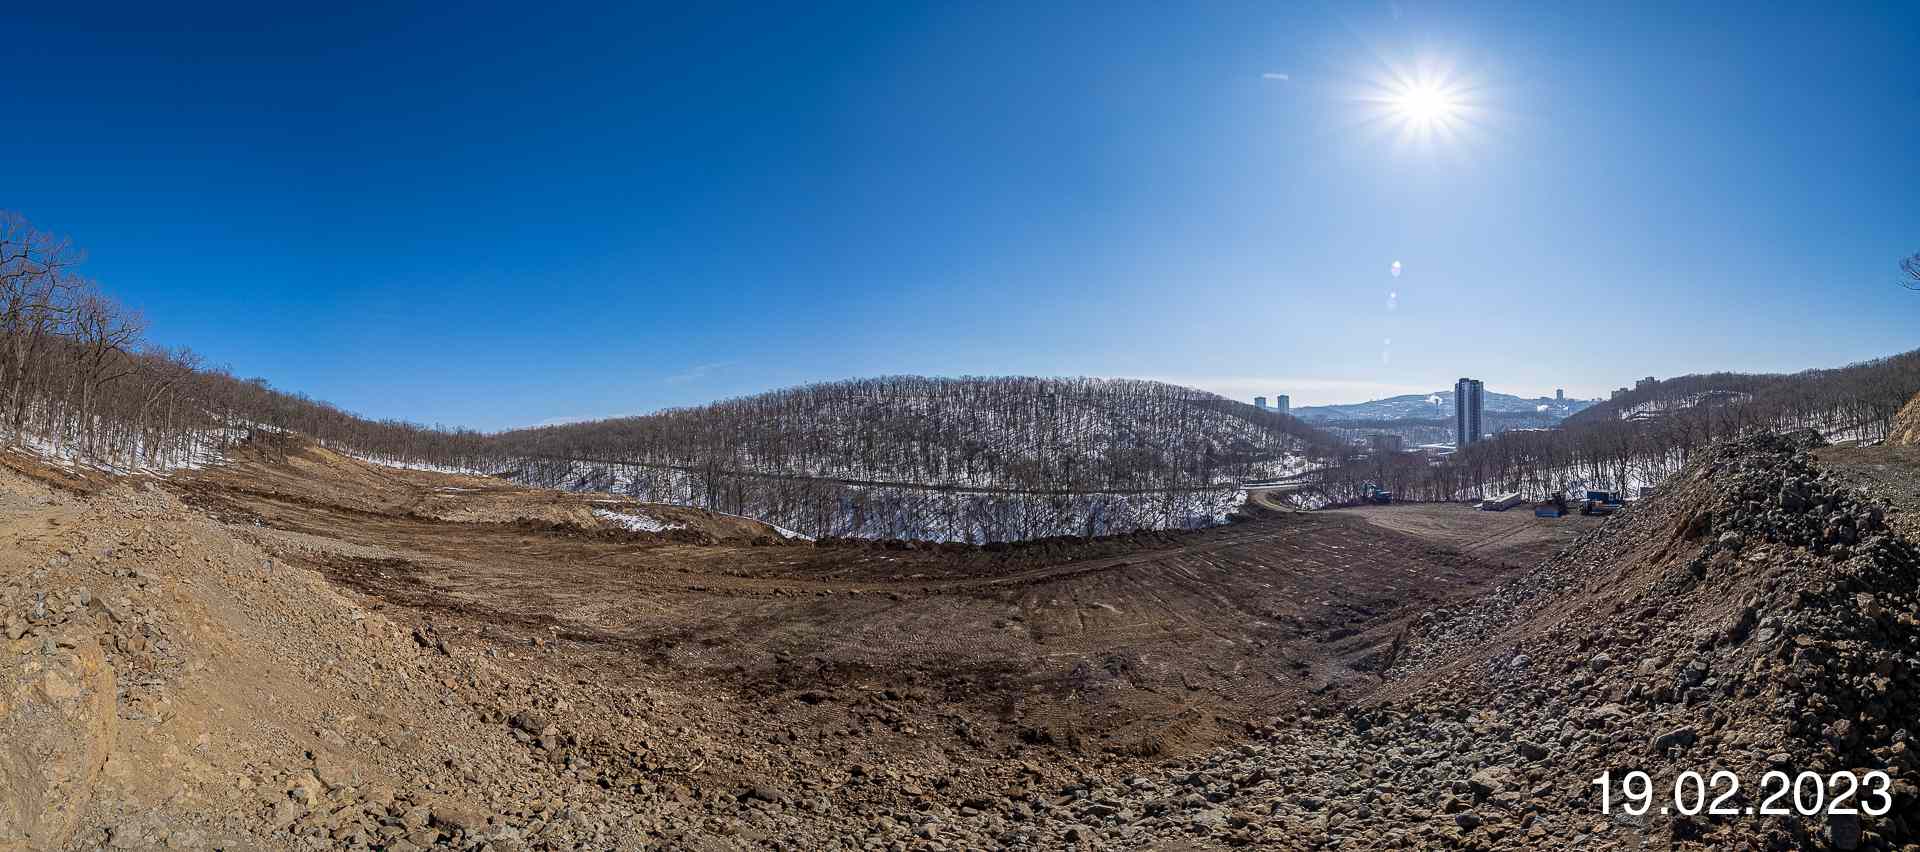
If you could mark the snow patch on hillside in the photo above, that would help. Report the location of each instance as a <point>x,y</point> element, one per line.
<point>399,464</point>
<point>635,522</point>
<point>1661,407</point>
<point>204,449</point>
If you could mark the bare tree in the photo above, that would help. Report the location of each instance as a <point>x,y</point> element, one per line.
<point>35,283</point>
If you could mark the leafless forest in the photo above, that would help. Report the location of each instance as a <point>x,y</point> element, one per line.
<point>79,380</point>
<point>978,459</point>
<point>975,458</point>
<point>989,433</point>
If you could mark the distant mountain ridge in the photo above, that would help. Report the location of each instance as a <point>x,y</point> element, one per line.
<point>1420,406</point>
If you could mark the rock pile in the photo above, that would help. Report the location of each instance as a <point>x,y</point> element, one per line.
<point>1758,615</point>
<point>168,682</point>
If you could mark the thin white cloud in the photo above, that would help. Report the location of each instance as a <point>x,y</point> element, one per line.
<point>583,418</point>
<point>697,372</point>
<point>1275,75</point>
<point>1303,391</point>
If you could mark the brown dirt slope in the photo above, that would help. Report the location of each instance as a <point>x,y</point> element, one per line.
<point>1758,615</point>
<point>298,650</point>
<point>295,471</point>
<point>1906,425</point>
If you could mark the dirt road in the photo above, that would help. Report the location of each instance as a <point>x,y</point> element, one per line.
<point>1514,537</point>
<point>1890,473</point>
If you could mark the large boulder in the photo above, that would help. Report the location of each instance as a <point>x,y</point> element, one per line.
<point>1906,425</point>
<point>56,728</point>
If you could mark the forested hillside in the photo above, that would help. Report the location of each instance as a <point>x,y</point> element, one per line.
<point>993,433</point>
<point>979,459</point>
<point>975,459</point>
<point>79,381</point>
<point>972,459</point>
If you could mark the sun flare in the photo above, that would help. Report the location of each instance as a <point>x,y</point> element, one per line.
<point>1426,104</point>
<point>1429,106</point>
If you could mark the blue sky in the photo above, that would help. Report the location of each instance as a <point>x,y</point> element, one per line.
<point>501,215</point>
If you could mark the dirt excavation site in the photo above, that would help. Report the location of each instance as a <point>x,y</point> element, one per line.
<point>297,650</point>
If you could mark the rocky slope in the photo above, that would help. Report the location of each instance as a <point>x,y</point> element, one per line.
<point>1758,615</point>
<point>173,680</point>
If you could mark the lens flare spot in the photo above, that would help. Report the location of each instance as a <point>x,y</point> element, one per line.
<point>1396,269</point>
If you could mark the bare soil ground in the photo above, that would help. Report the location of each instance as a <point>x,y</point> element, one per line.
<point>1906,425</point>
<point>1165,647</point>
<point>1513,537</point>
<point>1890,473</point>
<point>305,651</point>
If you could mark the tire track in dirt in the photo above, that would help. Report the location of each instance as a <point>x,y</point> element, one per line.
<point>1159,646</point>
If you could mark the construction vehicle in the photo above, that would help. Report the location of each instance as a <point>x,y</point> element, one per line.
<point>1551,508</point>
<point>1375,495</point>
<point>1601,503</point>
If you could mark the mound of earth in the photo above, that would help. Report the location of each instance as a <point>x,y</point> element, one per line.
<point>1758,615</point>
<point>170,680</point>
<point>292,472</point>
<point>1906,425</point>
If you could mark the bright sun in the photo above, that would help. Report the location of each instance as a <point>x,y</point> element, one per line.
<point>1429,106</point>
<point>1426,104</point>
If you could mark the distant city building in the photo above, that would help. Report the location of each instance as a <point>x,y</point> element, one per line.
<point>1283,404</point>
<point>1259,402</point>
<point>1644,382</point>
<point>1559,394</point>
<point>1468,403</point>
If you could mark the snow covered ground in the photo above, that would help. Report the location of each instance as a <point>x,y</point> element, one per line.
<point>205,449</point>
<point>635,522</point>
<point>410,465</point>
